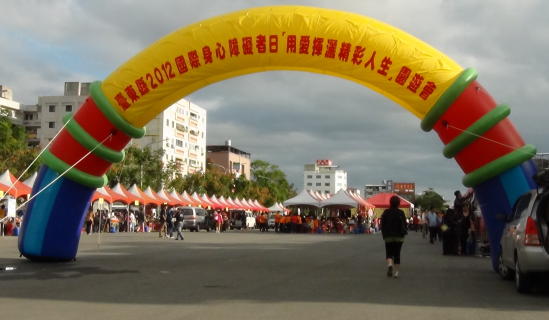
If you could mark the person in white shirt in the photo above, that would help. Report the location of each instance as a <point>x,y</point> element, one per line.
<point>424,224</point>
<point>132,221</point>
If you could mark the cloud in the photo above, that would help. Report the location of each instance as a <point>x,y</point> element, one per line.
<point>289,118</point>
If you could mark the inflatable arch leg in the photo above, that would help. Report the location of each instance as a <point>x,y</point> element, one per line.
<point>393,63</point>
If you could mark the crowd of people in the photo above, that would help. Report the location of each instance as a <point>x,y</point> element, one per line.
<point>311,223</point>
<point>456,227</point>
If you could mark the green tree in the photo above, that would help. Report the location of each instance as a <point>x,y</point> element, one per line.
<point>14,153</point>
<point>143,167</point>
<point>430,198</point>
<point>271,177</point>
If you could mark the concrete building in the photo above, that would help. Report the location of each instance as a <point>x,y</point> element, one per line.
<point>7,103</point>
<point>406,190</point>
<point>230,159</point>
<point>44,120</point>
<point>371,190</point>
<point>323,177</point>
<point>181,131</point>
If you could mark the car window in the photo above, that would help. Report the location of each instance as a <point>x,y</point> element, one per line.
<point>187,212</point>
<point>521,206</point>
<point>200,212</point>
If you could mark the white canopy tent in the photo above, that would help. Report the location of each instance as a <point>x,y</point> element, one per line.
<point>341,198</point>
<point>276,207</point>
<point>303,199</point>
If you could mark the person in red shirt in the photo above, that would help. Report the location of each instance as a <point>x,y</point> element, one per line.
<point>293,223</point>
<point>416,222</point>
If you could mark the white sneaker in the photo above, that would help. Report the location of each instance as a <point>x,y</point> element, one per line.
<point>396,274</point>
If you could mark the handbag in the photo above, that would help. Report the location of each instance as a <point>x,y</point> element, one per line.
<point>444,227</point>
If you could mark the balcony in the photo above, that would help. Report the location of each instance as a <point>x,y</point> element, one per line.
<point>194,124</point>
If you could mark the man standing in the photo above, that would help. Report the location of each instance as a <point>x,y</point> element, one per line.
<point>432,220</point>
<point>162,221</point>
<point>169,222</point>
<point>460,202</point>
<point>424,224</point>
<point>2,216</point>
<point>132,221</point>
<point>179,224</point>
<point>277,221</point>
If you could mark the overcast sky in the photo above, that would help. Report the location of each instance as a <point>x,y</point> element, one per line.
<point>294,118</point>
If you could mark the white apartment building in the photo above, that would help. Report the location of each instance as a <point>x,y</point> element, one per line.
<point>181,131</point>
<point>323,177</point>
<point>7,103</point>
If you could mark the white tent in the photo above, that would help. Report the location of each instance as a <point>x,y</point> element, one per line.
<point>276,207</point>
<point>30,181</point>
<point>341,198</point>
<point>304,199</point>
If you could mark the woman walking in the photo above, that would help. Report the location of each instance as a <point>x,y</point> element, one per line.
<point>393,230</point>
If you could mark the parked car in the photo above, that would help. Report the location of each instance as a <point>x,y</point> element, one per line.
<point>235,218</point>
<point>271,222</point>
<point>197,218</point>
<point>525,241</point>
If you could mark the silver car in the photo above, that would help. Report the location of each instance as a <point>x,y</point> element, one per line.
<point>525,242</point>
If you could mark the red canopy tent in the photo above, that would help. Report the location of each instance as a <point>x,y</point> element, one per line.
<point>381,200</point>
<point>225,203</point>
<point>165,196</point>
<point>231,203</point>
<point>207,200</point>
<point>240,205</point>
<point>176,195</point>
<point>117,196</point>
<point>101,193</point>
<point>185,196</point>
<point>19,189</point>
<point>132,197</point>
<point>146,198</point>
<point>196,199</point>
<point>149,192</point>
<point>216,203</point>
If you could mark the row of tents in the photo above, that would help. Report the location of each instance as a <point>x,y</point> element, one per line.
<point>135,195</point>
<point>345,199</point>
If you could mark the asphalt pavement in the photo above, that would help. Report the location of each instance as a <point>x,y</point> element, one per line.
<point>253,275</point>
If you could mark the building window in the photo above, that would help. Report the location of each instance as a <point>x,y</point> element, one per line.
<point>318,184</point>
<point>202,135</point>
<point>68,108</point>
<point>327,191</point>
<point>339,184</point>
<point>309,184</point>
<point>309,177</point>
<point>327,184</point>
<point>327,176</point>
<point>51,124</point>
<point>173,124</point>
<point>52,108</point>
<point>167,123</point>
<point>318,176</point>
<point>28,116</point>
<point>179,143</point>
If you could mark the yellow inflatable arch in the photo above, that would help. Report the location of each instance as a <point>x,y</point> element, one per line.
<point>404,69</point>
<point>331,42</point>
